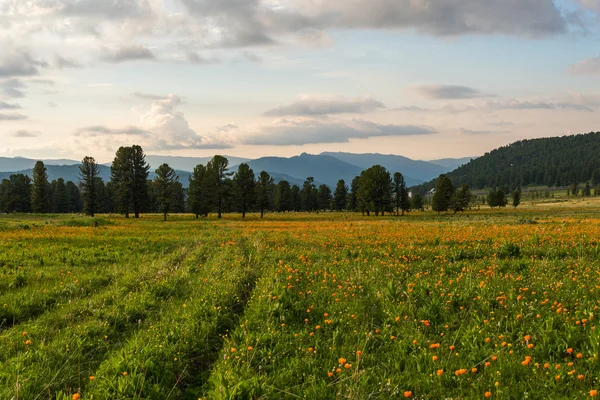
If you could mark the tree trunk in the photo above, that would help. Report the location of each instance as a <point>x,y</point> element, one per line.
<point>196,215</point>
<point>243,213</point>
<point>165,215</point>
<point>127,215</point>
<point>262,212</point>
<point>137,214</point>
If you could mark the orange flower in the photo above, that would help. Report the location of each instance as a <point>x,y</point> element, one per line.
<point>434,346</point>
<point>233,350</point>
<point>434,358</point>
<point>358,353</point>
<point>342,361</point>
<point>440,372</point>
<point>570,350</point>
<point>92,378</point>
<point>408,394</point>
<point>593,393</point>
<point>580,377</point>
<point>488,394</point>
<point>125,373</point>
<point>76,396</point>
<point>28,342</point>
<point>250,348</point>
<point>330,374</point>
<point>527,338</point>
<point>347,366</point>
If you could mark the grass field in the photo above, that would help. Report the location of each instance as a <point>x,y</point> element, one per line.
<point>501,304</point>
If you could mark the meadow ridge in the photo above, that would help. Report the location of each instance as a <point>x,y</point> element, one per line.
<point>495,304</point>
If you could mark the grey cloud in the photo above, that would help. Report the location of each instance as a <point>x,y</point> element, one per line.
<point>116,9</point>
<point>147,96</point>
<point>130,53</point>
<point>311,105</point>
<point>8,106</point>
<point>61,63</point>
<point>195,58</point>
<point>25,134</point>
<point>12,117</point>
<point>287,132</point>
<point>12,88</point>
<point>19,63</point>
<point>449,92</point>
<point>588,66</point>
<point>536,105</point>
<point>100,130</point>
<point>479,132</point>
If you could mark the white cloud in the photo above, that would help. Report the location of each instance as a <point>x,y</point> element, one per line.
<point>588,66</point>
<point>312,105</point>
<point>448,92</point>
<point>286,132</point>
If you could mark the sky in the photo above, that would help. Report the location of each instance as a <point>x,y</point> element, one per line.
<point>425,79</point>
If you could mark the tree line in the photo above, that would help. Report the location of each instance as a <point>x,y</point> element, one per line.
<point>215,189</point>
<point>550,162</point>
<point>212,188</point>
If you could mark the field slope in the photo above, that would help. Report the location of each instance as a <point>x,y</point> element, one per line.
<point>324,306</point>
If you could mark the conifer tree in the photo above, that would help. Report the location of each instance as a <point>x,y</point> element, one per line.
<point>89,182</point>
<point>40,191</point>
<point>165,188</point>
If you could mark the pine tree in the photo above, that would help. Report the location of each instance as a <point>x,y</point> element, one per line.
<point>74,198</point>
<point>444,191</point>
<point>121,176</point>
<point>165,188</point>
<point>417,202</point>
<point>60,197</point>
<point>283,197</point>
<point>198,192</point>
<point>352,198</point>
<point>375,189</point>
<point>461,199</point>
<point>89,182</point>
<point>263,190</point>
<point>243,183</point>
<point>324,197</point>
<point>401,194</point>
<point>516,198</point>
<point>340,196</point>
<point>40,191</point>
<point>218,179</point>
<point>139,186</point>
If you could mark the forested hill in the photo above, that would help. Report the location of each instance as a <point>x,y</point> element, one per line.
<point>556,161</point>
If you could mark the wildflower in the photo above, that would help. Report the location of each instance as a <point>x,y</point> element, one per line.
<point>125,373</point>
<point>593,393</point>
<point>92,378</point>
<point>434,358</point>
<point>358,353</point>
<point>250,348</point>
<point>488,395</point>
<point>76,396</point>
<point>408,394</point>
<point>347,366</point>
<point>342,361</point>
<point>440,372</point>
<point>28,342</point>
<point>330,374</point>
<point>233,350</point>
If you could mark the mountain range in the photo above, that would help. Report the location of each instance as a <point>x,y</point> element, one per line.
<point>327,168</point>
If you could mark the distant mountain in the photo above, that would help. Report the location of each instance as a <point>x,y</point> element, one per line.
<point>452,163</point>
<point>19,163</point>
<point>414,172</point>
<point>186,163</point>
<point>71,173</point>
<point>554,161</point>
<point>325,169</point>
<point>67,172</point>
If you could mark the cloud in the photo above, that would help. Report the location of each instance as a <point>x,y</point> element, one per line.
<point>147,96</point>
<point>312,105</point>
<point>287,132</point>
<point>18,63</point>
<point>25,134</point>
<point>479,132</point>
<point>448,92</point>
<point>12,117</point>
<point>129,53</point>
<point>101,130</point>
<point>195,58</point>
<point>9,106</point>
<point>12,88</point>
<point>588,66</point>
<point>170,130</point>
<point>536,105</point>
<point>61,63</point>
